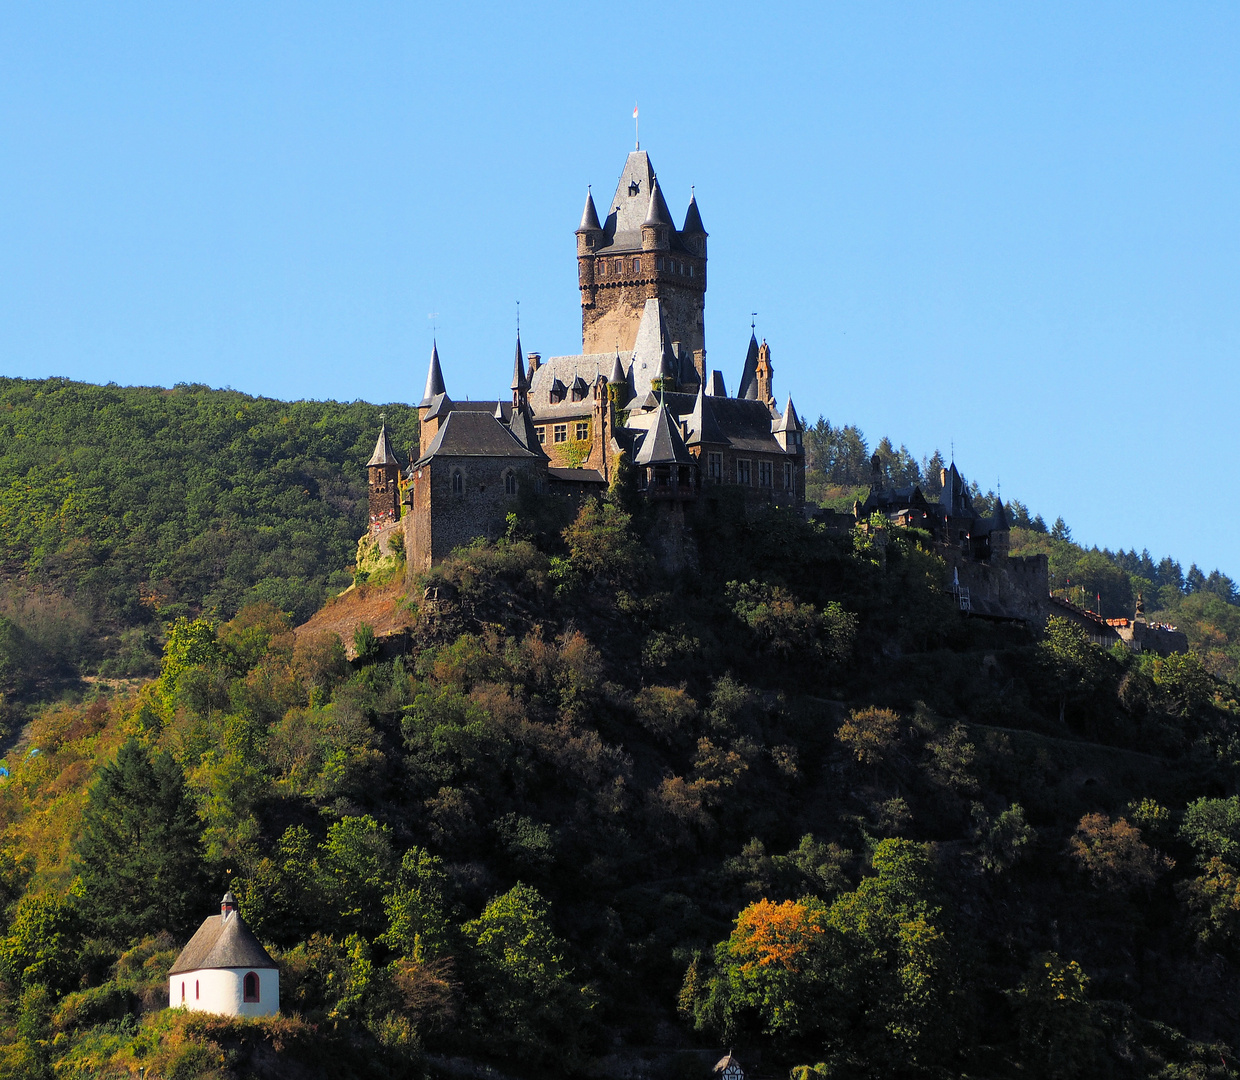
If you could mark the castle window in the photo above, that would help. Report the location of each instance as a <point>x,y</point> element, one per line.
<point>249,988</point>
<point>743,473</point>
<point>637,266</point>
<point>560,433</point>
<point>714,468</point>
<point>583,430</point>
<point>510,483</point>
<point>602,268</point>
<point>691,269</point>
<point>458,483</point>
<point>542,435</point>
<point>659,263</point>
<point>764,474</point>
<point>619,266</point>
<point>787,475</point>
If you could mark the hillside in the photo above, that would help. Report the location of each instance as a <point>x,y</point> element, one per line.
<point>594,821</point>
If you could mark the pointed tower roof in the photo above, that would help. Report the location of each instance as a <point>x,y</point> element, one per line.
<point>434,379</point>
<point>749,377</point>
<point>715,386</point>
<point>617,371</point>
<point>667,361</point>
<point>789,421</point>
<point>519,381</point>
<point>589,216</point>
<point>632,199</point>
<point>1000,518</point>
<point>663,444</point>
<point>384,454</point>
<point>522,427</point>
<point>657,213</point>
<point>651,349</point>
<point>703,427</point>
<point>693,219</point>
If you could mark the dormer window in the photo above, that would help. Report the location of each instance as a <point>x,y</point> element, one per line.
<point>635,187</point>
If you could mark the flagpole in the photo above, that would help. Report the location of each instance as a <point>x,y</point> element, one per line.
<point>637,129</point>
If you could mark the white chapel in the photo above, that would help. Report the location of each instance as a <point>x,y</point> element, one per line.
<point>224,969</point>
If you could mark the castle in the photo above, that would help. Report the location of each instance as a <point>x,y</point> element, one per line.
<point>639,393</point>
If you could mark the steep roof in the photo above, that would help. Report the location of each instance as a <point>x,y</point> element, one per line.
<point>703,427</point>
<point>632,199</point>
<point>589,216</point>
<point>522,427</point>
<point>434,378</point>
<point>439,405</point>
<point>663,444</point>
<point>657,212</point>
<point>468,433</point>
<point>652,351</point>
<point>715,386</point>
<point>617,371</point>
<point>749,376</point>
<point>222,941</point>
<point>746,424</point>
<point>384,454</point>
<point>789,421</point>
<point>693,219</point>
<point>1000,519</point>
<point>518,368</point>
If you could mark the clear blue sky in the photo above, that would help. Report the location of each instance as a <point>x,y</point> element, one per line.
<point>1011,226</point>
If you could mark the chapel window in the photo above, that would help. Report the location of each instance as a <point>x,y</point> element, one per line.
<point>458,483</point>
<point>510,483</point>
<point>249,988</point>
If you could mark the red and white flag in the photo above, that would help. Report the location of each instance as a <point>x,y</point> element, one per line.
<point>634,112</point>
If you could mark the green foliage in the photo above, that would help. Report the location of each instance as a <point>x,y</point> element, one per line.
<point>43,942</point>
<point>1212,827</point>
<point>1002,839</point>
<point>1058,1035</point>
<point>139,854</point>
<point>417,909</point>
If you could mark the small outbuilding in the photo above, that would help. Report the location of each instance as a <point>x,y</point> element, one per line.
<point>225,969</point>
<point>728,1068</point>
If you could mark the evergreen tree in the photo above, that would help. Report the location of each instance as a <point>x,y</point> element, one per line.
<point>140,852</point>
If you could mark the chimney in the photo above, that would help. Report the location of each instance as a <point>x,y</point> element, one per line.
<point>535,361</point>
<point>228,905</point>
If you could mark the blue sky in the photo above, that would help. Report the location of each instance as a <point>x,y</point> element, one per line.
<point>1011,227</point>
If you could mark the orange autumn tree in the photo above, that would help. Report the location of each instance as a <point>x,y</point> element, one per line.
<point>770,935</point>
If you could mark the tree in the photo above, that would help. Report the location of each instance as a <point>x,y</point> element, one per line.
<point>1212,827</point>
<point>191,643</point>
<point>140,852</point>
<point>41,947</point>
<point>1001,840</point>
<point>1057,1030</point>
<point>527,1007</point>
<point>871,734</point>
<point>1073,667</point>
<point>1114,856</point>
<point>1060,530</point>
<point>356,868</point>
<point>418,924</point>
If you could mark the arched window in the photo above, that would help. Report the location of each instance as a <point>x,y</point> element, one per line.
<point>195,989</point>
<point>458,483</point>
<point>249,987</point>
<point>510,483</point>
<point>182,990</point>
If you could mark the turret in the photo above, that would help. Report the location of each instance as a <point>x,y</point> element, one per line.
<point>435,403</point>
<point>383,475</point>
<point>1000,532</point>
<point>748,387</point>
<point>787,429</point>
<point>520,385</point>
<point>693,234</point>
<point>589,232</point>
<point>657,228</point>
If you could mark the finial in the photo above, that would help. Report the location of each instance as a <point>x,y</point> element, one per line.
<point>637,131</point>
<point>434,318</point>
<point>753,321</point>
<point>518,317</point>
<point>382,420</point>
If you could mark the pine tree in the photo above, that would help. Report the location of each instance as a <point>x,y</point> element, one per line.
<point>140,852</point>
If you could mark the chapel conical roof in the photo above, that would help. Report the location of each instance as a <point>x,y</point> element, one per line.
<point>222,941</point>
<point>434,379</point>
<point>589,216</point>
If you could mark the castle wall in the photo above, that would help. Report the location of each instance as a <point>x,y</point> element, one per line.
<point>612,306</point>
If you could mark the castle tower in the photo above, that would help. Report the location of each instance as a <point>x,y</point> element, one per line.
<point>765,375</point>
<point>635,255</point>
<point>383,473</point>
<point>520,384</point>
<point>435,403</point>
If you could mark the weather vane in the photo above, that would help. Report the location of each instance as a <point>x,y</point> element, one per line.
<point>434,318</point>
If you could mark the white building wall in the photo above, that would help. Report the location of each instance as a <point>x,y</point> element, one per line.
<point>220,990</point>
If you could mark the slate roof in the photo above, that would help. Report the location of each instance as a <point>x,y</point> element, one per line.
<point>617,371</point>
<point>222,941</point>
<point>693,219</point>
<point>589,216</point>
<point>566,369</point>
<point>470,433</point>
<point>577,476</point>
<point>1000,519</point>
<point>384,454</point>
<point>434,378</point>
<point>522,427</point>
<point>657,212</point>
<point>518,368</point>
<point>747,425</point>
<point>623,228</point>
<point>703,427</point>
<point>663,444</point>
<point>749,376</point>
<point>715,386</point>
<point>789,421</point>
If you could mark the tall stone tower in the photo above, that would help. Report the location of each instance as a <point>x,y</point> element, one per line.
<point>637,254</point>
<point>383,470</point>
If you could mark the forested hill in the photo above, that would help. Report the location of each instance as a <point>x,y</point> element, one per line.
<point>124,507</point>
<point>596,820</point>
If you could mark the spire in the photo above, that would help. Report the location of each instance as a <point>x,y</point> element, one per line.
<point>521,425</point>
<point>434,379</point>
<point>693,219</point>
<point>789,421</point>
<point>657,213</point>
<point>384,454</point>
<point>519,382</point>
<point>1000,519</point>
<point>703,427</point>
<point>715,386</point>
<point>663,444</point>
<point>589,216</point>
<point>749,377</point>
<point>617,371</point>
